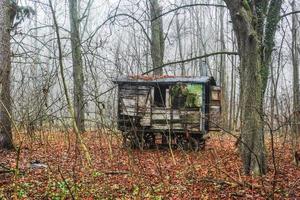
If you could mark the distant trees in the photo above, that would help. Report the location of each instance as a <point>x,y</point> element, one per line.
<point>5,67</point>
<point>254,24</point>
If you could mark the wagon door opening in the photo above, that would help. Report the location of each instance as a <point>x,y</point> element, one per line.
<point>160,95</point>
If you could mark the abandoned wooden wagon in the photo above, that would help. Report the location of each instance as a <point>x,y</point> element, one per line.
<point>167,110</point>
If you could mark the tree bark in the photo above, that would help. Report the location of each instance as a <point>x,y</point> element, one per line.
<point>77,65</point>
<point>157,38</point>
<point>6,141</point>
<point>183,71</point>
<point>255,25</point>
<point>296,90</point>
<point>224,97</point>
<point>252,147</point>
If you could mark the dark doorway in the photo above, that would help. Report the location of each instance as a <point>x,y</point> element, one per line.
<point>160,95</point>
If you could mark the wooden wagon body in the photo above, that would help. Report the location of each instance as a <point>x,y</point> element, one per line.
<point>167,110</point>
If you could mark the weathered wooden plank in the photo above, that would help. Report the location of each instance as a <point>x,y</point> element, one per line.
<point>144,101</point>
<point>216,95</point>
<point>127,92</point>
<point>160,126</point>
<point>129,103</point>
<point>176,127</point>
<point>146,120</point>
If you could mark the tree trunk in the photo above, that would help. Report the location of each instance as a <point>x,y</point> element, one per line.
<point>252,137</point>
<point>77,65</point>
<point>183,71</point>
<point>224,100</point>
<point>255,25</point>
<point>296,91</point>
<point>157,43</point>
<point>232,91</point>
<point>5,67</point>
<point>253,151</point>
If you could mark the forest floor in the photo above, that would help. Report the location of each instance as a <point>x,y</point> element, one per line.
<point>58,171</point>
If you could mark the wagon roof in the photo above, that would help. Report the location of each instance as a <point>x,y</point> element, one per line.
<point>164,79</point>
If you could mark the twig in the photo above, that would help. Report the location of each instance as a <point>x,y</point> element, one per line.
<point>67,184</point>
<point>4,167</point>
<point>6,172</point>
<point>217,181</point>
<point>116,172</point>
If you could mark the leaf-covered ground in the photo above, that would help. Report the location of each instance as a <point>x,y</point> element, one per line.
<point>117,173</point>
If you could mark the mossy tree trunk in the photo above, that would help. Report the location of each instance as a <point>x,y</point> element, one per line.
<point>255,25</point>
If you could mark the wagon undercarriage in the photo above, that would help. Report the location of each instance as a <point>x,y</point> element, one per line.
<point>150,140</point>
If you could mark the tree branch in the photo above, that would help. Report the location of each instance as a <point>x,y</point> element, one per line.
<point>191,59</point>
<point>186,6</point>
<point>120,15</point>
<point>290,13</point>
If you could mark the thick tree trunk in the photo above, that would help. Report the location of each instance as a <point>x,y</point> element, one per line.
<point>77,66</point>
<point>5,67</point>
<point>157,43</point>
<point>252,137</point>
<point>255,25</point>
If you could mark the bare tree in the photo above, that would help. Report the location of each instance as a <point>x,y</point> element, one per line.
<point>78,79</point>
<point>224,99</point>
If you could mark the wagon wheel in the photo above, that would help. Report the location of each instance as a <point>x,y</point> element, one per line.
<point>202,144</point>
<point>149,140</point>
<point>194,144</point>
<point>130,140</point>
<point>182,142</point>
<point>190,143</point>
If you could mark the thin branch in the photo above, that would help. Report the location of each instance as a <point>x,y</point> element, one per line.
<point>67,184</point>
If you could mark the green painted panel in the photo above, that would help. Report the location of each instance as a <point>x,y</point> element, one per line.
<point>194,95</point>
<point>186,95</point>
